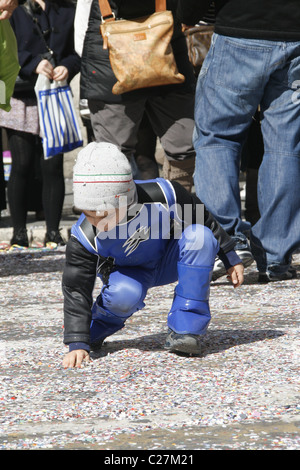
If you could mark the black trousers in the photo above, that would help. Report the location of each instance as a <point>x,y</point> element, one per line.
<point>24,148</point>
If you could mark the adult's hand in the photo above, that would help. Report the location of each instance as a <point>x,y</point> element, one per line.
<point>60,73</point>
<point>185,27</point>
<point>45,68</point>
<point>7,7</point>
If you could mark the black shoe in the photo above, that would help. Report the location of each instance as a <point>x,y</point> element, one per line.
<point>269,276</point>
<point>20,238</point>
<point>183,343</point>
<point>97,345</point>
<point>54,236</point>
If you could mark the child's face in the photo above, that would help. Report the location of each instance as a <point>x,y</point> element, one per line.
<point>106,220</point>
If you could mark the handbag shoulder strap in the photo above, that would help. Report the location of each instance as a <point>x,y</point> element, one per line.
<point>160,5</point>
<point>108,15</point>
<point>28,10</point>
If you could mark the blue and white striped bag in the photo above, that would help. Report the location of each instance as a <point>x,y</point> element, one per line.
<point>59,126</point>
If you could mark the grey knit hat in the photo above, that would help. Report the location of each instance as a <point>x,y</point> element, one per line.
<point>102,178</point>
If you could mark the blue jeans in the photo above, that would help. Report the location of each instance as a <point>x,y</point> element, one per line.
<point>238,76</point>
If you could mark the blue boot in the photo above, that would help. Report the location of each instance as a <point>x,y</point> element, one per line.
<point>189,316</point>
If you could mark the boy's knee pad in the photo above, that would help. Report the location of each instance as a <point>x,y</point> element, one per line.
<point>111,310</point>
<point>123,298</point>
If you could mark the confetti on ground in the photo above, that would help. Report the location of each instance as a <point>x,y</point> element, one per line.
<point>242,393</point>
<point>6,247</point>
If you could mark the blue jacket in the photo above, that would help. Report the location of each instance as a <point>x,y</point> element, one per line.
<point>141,241</point>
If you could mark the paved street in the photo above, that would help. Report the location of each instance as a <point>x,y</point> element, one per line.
<point>242,393</point>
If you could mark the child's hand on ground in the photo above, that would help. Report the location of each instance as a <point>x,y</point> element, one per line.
<point>76,358</point>
<point>236,275</point>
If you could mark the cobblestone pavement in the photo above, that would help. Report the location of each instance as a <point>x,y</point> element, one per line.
<point>241,393</point>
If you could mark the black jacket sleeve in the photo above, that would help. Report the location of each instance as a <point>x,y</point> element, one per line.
<point>77,284</point>
<point>189,12</point>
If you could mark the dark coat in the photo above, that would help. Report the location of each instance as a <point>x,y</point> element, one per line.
<point>97,77</point>
<point>258,19</point>
<point>58,19</point>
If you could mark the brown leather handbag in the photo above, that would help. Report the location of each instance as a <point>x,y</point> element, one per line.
<point>198,39</point>
<point>140,50</point>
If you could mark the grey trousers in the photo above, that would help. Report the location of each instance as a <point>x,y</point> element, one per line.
<point>171,115</point>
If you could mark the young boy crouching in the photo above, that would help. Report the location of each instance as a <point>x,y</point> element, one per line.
<point>136,235</point>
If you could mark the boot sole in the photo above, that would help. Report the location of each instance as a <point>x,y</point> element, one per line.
<point>183,348</point>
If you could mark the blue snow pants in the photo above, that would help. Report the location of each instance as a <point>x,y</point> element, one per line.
<point>189,260</point>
